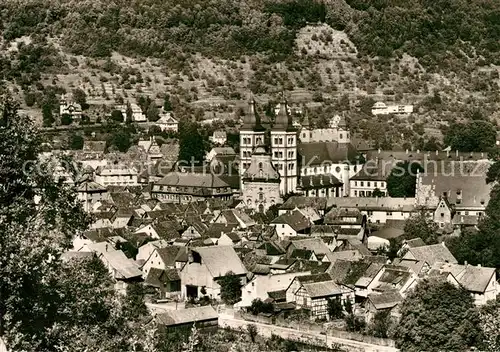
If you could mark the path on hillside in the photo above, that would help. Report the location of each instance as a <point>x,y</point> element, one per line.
<point>228,321</point>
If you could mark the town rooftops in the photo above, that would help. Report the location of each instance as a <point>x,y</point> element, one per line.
<point>159,277</point>
<point>315,245</point>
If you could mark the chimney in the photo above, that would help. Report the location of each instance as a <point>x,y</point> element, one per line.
<point>456,153</point>
<point>437,152</point>
<point>447,153</point>
<point>418,151</point>
<point>465,263</point>
<point>406,151</point>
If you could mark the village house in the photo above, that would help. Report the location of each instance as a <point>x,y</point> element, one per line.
<point>137,114</point>
<point>335,132</point>
<point>116,175</point>
<point>380,108</point>
<point>167,123</point>
<point>456,194</point>
<point>89,193</point>
<point>387,301</point>
<point>166,281</point>
<point>291,224</point>
<point>300,202</point>
<point>161,258</point>
<point>479,281</point>
<point>264,286</point>
<point>378,210</point>
<point>430,254</point>
<point>220,152</point>
<point>205,266</point>
<point>312,292</point>
<point>219,137</point>
<point>68,107</point>
<point>145,251</point>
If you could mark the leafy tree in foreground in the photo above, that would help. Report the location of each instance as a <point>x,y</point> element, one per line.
<point>47,304</point>
<point>402,180</point>
<point>437,316</point>
<point>230,288</point>
<point>490,324</point>
<point>76,142</point>
<point>420,225</point>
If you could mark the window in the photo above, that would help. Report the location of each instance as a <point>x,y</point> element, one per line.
<point>362,184</point>
<point>355,193</point>
<point>389,213</point>
<point>368,184</point>
<point>341,136</point>
<point>276,141</point>
<point>280,140</point>
<point>337,169</point>
<point>355,183</point>
<point>260,167</point>
<point>276,154</point>
<point>442,215</point>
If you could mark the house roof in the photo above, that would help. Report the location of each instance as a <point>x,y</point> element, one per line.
<point>472,278</point>
<point>430,254</point>
<point>215,230</point>
<point>322,289</point>
<point>415,242</point>
<point>271,248</point>
<point>168,254</point>
<point>296,220</point>
<point>313,244</point>
<point>317,153</point>
<point>374,203</point>
<point>374,171</point>
<point>125,268</point>
<point>202,180</point>
<point>159,277</point>
<point>307,279</point>
<point>304,202</point>
<point>339,216</point>
<point>385,300</point>
<point>464,184</point>
<point>220,260</point>
<point>187,316</point>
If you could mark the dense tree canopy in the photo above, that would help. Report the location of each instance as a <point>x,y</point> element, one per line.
<point>47,304</point>
<point>402,180</point>
<point>191,143</point>
<point>438,316</point>
<point>230,288</point>
<point>421,225</point>
<point>474,136</point>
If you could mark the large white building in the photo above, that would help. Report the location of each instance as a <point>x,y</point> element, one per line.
<point>380,108</point>
<point>116,175</point>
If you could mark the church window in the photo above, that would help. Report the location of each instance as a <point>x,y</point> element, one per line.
<point>260,166</point>
<point>341,136</point>
<point>337,169</point>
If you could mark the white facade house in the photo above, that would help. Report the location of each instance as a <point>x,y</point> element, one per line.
<point>167,123</point>
<point>219,137</point>
<point>380,108</point>
<point>137,114</point>
<point>69,107</point>
<point>116,175</point>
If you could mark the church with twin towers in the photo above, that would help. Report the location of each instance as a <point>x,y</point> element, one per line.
<point>288,157</point>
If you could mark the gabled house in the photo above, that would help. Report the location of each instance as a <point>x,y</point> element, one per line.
<point>166,122</point>
<point>229,239</point>
<point>300,202</point>
<point>263,287</point>
<point>430,254</point>
<point>234,217</point>
<point>161,258</point>
<point>205,266</point>
<point>121,268</point>
<point>386,301</point>
<point>396,278</point>
<point>166,281</point>
<point>479,281</point>
<point>315,245</point>
<point>313,292</point>
<point>291,224</point>
<point>147,249</point>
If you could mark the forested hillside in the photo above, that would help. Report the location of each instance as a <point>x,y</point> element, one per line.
<point>343,55</point>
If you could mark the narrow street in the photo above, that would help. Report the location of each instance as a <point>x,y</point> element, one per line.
<point>266,330</point>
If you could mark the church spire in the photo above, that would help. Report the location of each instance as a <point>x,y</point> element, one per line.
<point>251,120</point>
<point>283,119</point>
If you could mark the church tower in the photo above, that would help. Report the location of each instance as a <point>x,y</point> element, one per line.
<point>251,135</point>
<point>261,182</point>
<point>284,149</point>
<point>305,130</point>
